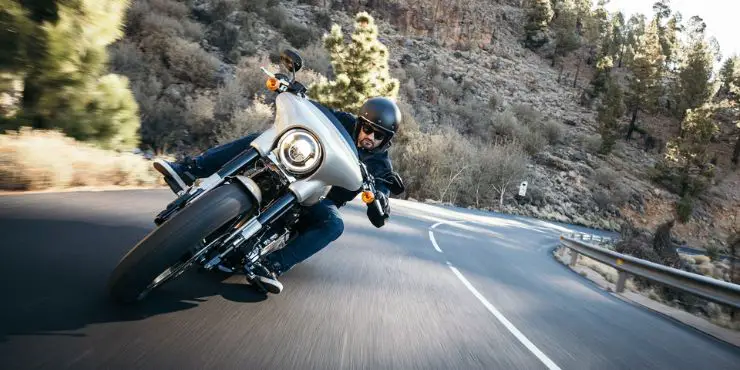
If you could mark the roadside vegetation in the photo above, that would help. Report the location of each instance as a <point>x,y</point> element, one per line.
<point>39,160</point>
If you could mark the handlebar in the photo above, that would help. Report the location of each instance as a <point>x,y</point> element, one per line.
<point>368,185</point>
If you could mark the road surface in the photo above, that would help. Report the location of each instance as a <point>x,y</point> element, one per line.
<point>421,293</point>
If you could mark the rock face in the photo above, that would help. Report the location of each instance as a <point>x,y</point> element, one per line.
<point>494,66</point>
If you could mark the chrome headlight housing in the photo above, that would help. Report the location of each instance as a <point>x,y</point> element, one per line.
<point>299,152</point>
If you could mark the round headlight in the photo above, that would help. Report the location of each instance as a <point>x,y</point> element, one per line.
<point>299,152</point>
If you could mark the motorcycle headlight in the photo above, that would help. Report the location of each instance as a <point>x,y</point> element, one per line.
<point>299,152</point>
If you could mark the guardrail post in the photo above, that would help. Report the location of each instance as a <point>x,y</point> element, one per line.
<point>621,280</point>
<point>573,257</point>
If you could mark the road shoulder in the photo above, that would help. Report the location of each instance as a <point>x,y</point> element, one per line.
<point>724,334</point>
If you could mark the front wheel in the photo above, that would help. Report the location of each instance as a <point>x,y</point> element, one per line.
<point>158,257</point>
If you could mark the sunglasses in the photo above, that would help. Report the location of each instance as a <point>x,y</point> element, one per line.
<point>378,135</point>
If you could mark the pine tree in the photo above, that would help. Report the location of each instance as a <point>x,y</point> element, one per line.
<point>583,14</point>
<point>727,72</point>
<point>602,76</point>
<point>59,52</point>
<point>609,113</point>
<point>635,30</point>
<point>669,39</point>
<point>645,81</point>
<point>539,16</point>
<point>361,68</point>
<point>666,34</point>
<point>694,87</point>
<point>730,77</point>
<point>618,38</point>
<point>688,155</point>
<point>564,27</point>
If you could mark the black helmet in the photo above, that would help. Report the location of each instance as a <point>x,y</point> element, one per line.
<point>383,115</point>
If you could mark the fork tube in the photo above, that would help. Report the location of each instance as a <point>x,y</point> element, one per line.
<point>238,162</point>
<point>281,205</point>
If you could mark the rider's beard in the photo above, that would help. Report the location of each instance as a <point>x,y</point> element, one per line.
<point>367,143</point>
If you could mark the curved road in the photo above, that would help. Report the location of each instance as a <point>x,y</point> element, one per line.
<point>421,293</point>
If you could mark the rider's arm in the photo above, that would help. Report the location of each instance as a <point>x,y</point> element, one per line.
<point>346,119</point>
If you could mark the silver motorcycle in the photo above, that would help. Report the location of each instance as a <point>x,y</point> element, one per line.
<point>250,207</point>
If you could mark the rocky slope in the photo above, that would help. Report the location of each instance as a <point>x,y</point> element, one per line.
<point>568,181</point>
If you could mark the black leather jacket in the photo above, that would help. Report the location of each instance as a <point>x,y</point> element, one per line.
<point>378,164</point>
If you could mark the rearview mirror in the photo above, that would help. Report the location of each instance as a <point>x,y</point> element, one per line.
<point>291,60</point>
<point>395,183</point>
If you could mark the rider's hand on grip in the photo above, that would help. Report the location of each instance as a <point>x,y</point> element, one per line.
<point>376,218</point>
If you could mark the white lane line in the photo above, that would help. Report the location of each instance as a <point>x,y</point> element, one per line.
<point>434,242</point>
<point>526,342</point>
<point>496,313</point>
<point>446,222</point>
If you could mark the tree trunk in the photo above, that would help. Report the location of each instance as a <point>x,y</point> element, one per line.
<point>633,124</point>
<point>32,92</point>
<point>452,180</point>
<point>560,75</point>
<point>578,71</point>
<point>501,200</point>
<point>477,196</point>
<point>736,152</point>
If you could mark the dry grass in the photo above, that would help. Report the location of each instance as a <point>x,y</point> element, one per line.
<point>257,117</point>
<point>609,273</point>
<point>37,160</point>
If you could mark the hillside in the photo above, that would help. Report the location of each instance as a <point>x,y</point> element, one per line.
<point>194,73</point>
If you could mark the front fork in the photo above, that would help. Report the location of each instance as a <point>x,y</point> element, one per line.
<point>244,233</point>
<point>202,186</point>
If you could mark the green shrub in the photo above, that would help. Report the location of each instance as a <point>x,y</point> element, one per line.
<point>316,58</point>
<point>532,141</point>
<point>553,131</point>
<point>190,62</point>
<point>171,8</point>
<point>685,208</point>
<point>527,114</point>
<point>276,17</point>
<point>221,9</point>
<point>714,251</point>
<point>322,20</point>
<point>192,30</point>
<point>504,123</point>
<point>224,36</point>
<point>298,35</point>
<point>257,117</point>
<point>495,101</point>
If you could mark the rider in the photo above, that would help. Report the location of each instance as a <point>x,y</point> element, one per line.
<point>372,131</point>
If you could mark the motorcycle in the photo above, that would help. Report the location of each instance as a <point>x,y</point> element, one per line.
<point>249,208</point>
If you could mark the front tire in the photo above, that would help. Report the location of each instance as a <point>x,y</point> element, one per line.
<point>166,245</point>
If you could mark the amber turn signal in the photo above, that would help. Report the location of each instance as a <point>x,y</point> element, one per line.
<point>368,197</point>
<point>272,84</point>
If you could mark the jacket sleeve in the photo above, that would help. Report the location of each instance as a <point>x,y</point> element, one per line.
<point>346,119</point>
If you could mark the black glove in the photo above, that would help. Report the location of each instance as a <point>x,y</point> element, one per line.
<point>375,217</point>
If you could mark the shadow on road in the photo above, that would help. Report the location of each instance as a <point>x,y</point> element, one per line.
<point>54,276</point>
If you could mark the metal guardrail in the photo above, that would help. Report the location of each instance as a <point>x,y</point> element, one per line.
<point>711,289</point>
<point>591,237</point>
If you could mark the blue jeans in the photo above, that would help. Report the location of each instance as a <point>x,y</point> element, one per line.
<point>319,225</point>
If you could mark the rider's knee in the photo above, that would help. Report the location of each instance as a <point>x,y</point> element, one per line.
<point>335,227</point>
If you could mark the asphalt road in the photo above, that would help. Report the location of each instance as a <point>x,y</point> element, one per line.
<point>480,294</point>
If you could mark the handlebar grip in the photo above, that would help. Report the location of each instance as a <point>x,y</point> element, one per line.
<point>376,203</point>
